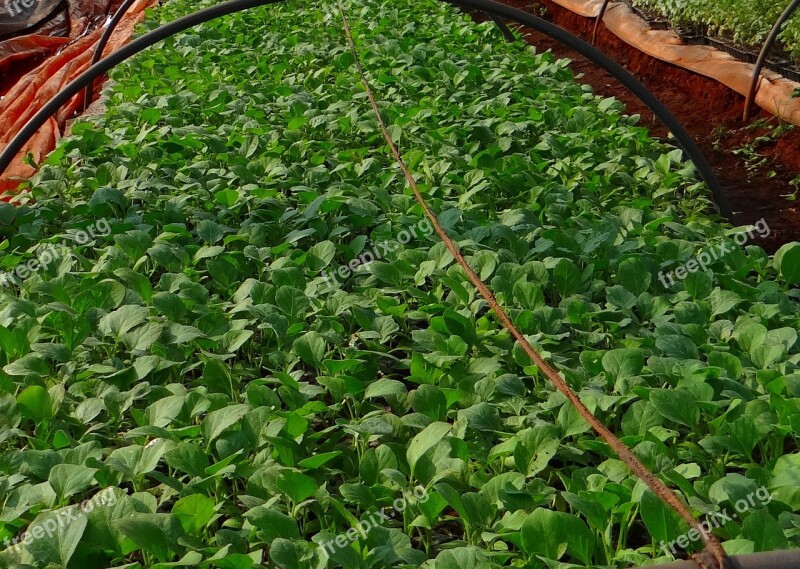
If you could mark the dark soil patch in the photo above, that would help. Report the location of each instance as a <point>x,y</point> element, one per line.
<point>711,113</point>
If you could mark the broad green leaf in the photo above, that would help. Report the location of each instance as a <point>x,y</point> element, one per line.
<point>677,405</point>
<point>59,540</point>
<point>662,522</point>
<point>622,363</point>
<point>634,275</point>
<point>218,421</point>
<point>310,347</point>
<point>384,387</point>
<point>70,479</point>
<point>425,440</point>
<point>122,320</point>
<point>296,485</point>
<point>194,512</point>
<point>787,261</point>
<point>566,278</point>
<point>34,403</point>
<point>272,524</point>
<point>552,534</point>
<point>764,531</point>
<point>318,460</point>
<point>157,534</point>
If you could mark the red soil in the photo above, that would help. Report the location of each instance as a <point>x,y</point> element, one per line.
<point>710,111</point>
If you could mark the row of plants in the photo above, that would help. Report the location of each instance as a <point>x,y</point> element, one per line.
<point>747,22</point>
<point>192,389</point>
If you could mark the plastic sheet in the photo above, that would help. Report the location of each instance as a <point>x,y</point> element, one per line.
<point>35,88</point>
<point>39,37</point>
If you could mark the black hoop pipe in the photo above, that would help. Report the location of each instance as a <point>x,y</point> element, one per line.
<point>101,45</point>
<point>507,33</point>
<point>683,138</point>
<point>503,28</point>
<point>762,58</point>
<point>766,560</point>
<point>599,19</point>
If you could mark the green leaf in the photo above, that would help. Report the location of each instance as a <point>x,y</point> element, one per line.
<point>291,301</point>
<point>318,460</point>
<point>535,449</point>
<point>220,420</point>
<point>430,401</point>
<point>285,554</point>
<point>34,403</point>
<point>662,522</point>
<point>194,512</point>
<point>787,261</point>
<point>321,255</point>
<point>552,534</point>
<point>786,472</point>
<point>640,418</point>
<point>677,405</point>
<point>676,346</point>
<point>570,422</point>
<point>460,326</point>
<point>528,295</point>
<point>566,277</point>
<point>425,440</point>
<point>157,534</point>
<point>699,284</point>
<point>385,387</point>
<point>764,531</point>
<point>296,485</point>
<point>634,275</point>
<point>59,539</point>
<point>310,347</point>
<point>69,479</point>
<point>482,417</point>
<point>134,243</point>
<point>189,458</point>
<point>122,320</point>
<point>272,524</point>
<point>227,197</point>
<point>624,362</point>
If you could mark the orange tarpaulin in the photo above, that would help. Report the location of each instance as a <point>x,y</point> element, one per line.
<point>20,53</point>
<point>36,88</point>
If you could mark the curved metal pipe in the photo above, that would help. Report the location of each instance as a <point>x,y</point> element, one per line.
<point>766,560</point>
<point>755,83</point>
<point>101,46</point>
<point>503,28</point>
<point>498,22</point>
<point>599,19</point>
<point>682,137</point>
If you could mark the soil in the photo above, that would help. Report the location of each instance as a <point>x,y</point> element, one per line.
<point>710,111</point>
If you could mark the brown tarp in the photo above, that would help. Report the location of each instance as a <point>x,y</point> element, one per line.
<point>37,66</point>
<point>64,21</point>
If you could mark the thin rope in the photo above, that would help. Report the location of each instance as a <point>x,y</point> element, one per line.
<point>712,545</point>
